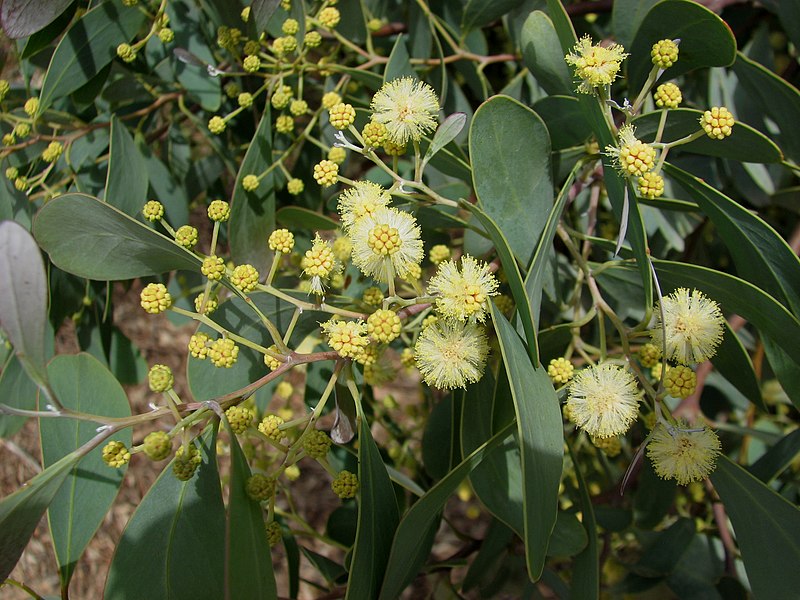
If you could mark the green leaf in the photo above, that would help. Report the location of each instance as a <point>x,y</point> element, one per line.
<point>777,458</point>
<point>654,497</point>
<point>440,448</point>
<point>46,36</point>
<point>126,184</point>
<point>565,121</point>
<point>745,144</point>
<point>627,16</point>
<point>777,99</point>
<point>664,553</point>
<point>542,54</point>
<point>90,238</point>
<point>17,390</point>
<point>378,517</point>
<point>89,45</point>
<point>445,134</point>
<point>563,25</point>
<point>261,12</point>
<point>207,381</point>
<point>733,363</point>
<point>541,439</point>
<point>761,255</point>
<point>305,218</point>
<point>413,539</point>
<point>22,18</point>
<point>176,536</point>
<point>586,566</point>
<point>248,558</point>
<point>478,13</point>
<point>330,570</point>
<point>514,278</point>
<point>761,520</point>
<point>399,64</point>
<point>706,40</point>
<point>510,152</point>
<point>23,298</point>
<point>83,384</point>
<point>21,511</point>
<point>253,213</point>
<point>491,555</point>
<point>188,25</point>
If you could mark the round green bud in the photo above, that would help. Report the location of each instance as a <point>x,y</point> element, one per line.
<point>295,186</point>
<point>240,418</point>
<point>251,47</point>
<point>274,534</point>
<point>298,107</point>
<point>157,445</point>
<point>316,444</point>
<point>260,488</point>
<point>116,454</point>
<point>251,64</point>
<point>186,236</point>
<point>345,485</point>
<point>270,427</point>
<point>153,211</point>
<point>160,378</point>
<point>245,100</point>
<point>250,183</point>
<point>219,210</point>
<point>186,463</point>
<point>12,173</point>
<point>290,26</point>
<point>284,124</point>
<point>166,35</point>
<point>216,125</point>
<point>155,298</point>
<point>312,39</point>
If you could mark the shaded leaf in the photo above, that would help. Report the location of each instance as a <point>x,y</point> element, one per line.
<point>21,511</point>
<point>761,519</point>
<point>305,218</point>
<point>378,517</point>
<point>126,184</point>
<point>17,390</point>
<point>565,121</point>
<point>413,539</point>
<point>261,12</point>
<point>83,384</point>
<point>445,134</point>
<point>627,16</point>
<point>248,558</point>
<point>586,567</point>
<point>399,64</point>
<point>89,45</point>
<point>478,13</point>
<point>22,18</point>
<point>734,364</point>
<point>23,298</point>
<point>253,213</point>
<point>541,439</point>
<point>542,54</point>
<point>115,247</point>
<point>185,522</point>
<point>706,40</point>
<point>777,458</point>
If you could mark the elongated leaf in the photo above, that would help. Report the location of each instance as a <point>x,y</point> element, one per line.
<point>542,54</point>
<point>706,40</point>
<point>761,519</point>
<point>777,458</point>
<point>445,134</point>
<point>412,540</point>
<point>514,279</point>
<point>17,390</point>
<point>378,517</point>
<point>745,144</point>
<point>541,439</point>
<point>185,522</point>
<point>126,184</point>
<point>92,239</point>
<point>778,99</point>
<point>478,13</point>
<point>88,46</point>
<point>21,512</point>
<point>563,25</point>
<point>492,552</point>
<point>761,255</point>
<point>83,384</point>
<point>253,213</point>
<point>22,18</point>
<point>248,559</point>
<point>586,569</point>
<point>510,152</point>
<point>627,16</point>
<point>734,364</point>
<point>304,218</point>
<point>261,13</point>
<point>399,64</point>
<point>23,298</point>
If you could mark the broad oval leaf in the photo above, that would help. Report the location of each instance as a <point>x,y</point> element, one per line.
<point>89,45</point>
<point>510,152</point>
<point>541,439</point>
<point>17,390</point>
<point>761,520</point>
<point>745,144</point>
<point>126,184</point>
<point>399,64</point>
<point>706,40</point>
<point>176,536</point>
<point>21,511</point>
<point>253,213</point>
<point>83,384</point>
<point>478,13</point>
<point>627,16</point>
<point>90,238</point>
<point>23,298</point>
<point>542,54</point>
<point>565,120</point>
<point>22,18</point>
<point>378,517</point>
<point>248,558</point>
